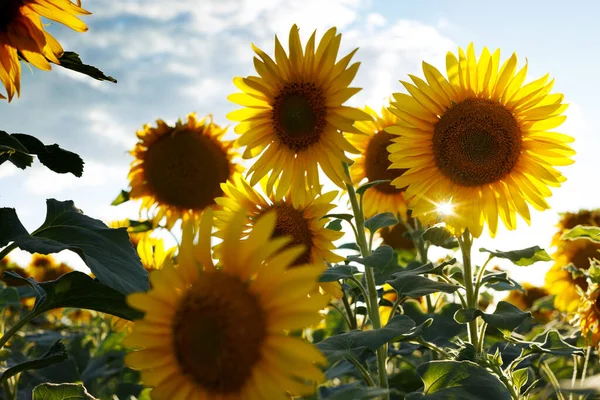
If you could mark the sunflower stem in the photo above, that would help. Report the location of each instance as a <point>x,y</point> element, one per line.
<point>351,315</point>
<point>372,299</point>
<point>363,371</point>
<point>552,378</point>
<point>466,242</point>
<point>7,250</point>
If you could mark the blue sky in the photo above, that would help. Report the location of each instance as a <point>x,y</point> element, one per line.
<point>177,56</point>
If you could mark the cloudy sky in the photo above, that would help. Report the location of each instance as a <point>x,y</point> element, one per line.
<point>172,57</point>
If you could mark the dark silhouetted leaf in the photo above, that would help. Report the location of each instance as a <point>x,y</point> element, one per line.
<point>338,272</point>
<point>345,217</point>
<point>361,190</point>
<point>52,156</point>
<point>55,354</point>
<point>71,60</point>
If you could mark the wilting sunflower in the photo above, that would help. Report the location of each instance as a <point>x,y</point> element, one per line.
<point>304,223</point>
<point>22,35</point>
<point>373,163</point>
<point>44,268</point>
<point>480,141</point>
<point>570,220</point>
<point>294,110</point>
<point>220,332</point>
<point>588,314</point>
<point>525,300</point>
<point>178,171</point>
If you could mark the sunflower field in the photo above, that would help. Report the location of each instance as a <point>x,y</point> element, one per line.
<point>321,251</point>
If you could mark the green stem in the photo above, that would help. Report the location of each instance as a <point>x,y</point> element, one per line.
<point>351,316</point>
<point>343,314</point>
<point>6,337</point>
<point>585,365</point>
<point>574,376</point>
<point>435,348</point>
<point>7,250</point>
<point>466,241</point>
<point>363,371</point>
<point>372,298</point>
<point>552,378</point>
<point>7,391</point>
<point>363,291</point>
<point>480,276</point>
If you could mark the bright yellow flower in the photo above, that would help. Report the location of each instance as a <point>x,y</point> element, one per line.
<point>153,254</point>
<point>178,171</point>
<point>480,140</point>
<point>304,223</point>
<point>294,110</point>
<point>588,314</point>
<point>373,163</point>
<point>220,332</point>
<point>22,35</point>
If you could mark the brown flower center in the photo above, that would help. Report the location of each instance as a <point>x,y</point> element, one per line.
<point>476,142</point>
<point>299,113</point>
<point>9,9</point>
<point>186,169</point>
<point>218,333</point>
<point>396,237</point>
<point>377,163</point>
<point>291,222</point>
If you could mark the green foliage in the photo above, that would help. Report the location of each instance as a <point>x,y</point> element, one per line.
<point>380,221</point>
<point>55,354</point>
<point>351,391</point>
<point>63,391</point>
<point>121,198</point>
<point>362,189</point>
<point>505,317</point>
<point>409,281</point>
<point>551,342</point>
<point>71,60</point>
<point>335,225</point>
<point>591,233</point>
<point>522,258</point>
<point>19,149</point>
<point>439,236</point>
<point>338,272</point>
<point>380,258</point>
<point>107,252</point>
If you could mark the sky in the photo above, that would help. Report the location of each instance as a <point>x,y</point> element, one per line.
<point>172,57</point>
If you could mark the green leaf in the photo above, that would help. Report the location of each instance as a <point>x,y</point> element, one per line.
<point>338,272</point>
<point>379,221</point>
<point>55,354</point>
<point>458,380</point>
<point>398,328</point>
<point>500,281</point>
<point>378,259</point>
<point>78,290</point>
<point>62,391</point>
<point>439,236</point>
<point>52,156</point>
<point>361,190</point>
<point>71,60</point>
<point>522,258</point>
<point>551,342</point>
<point>345,217</point>
<point>416,286</point>
<point>582,232</point>
<point>121,198</point>
<point>12,150</point>
<point>520,377</point>
<point>505,317</point>
<point>335,225</point>
<point>9,297</point>
<point>107,252</point>
<point>351,391</point>
<point>349,246</point>
<point>140,226</point>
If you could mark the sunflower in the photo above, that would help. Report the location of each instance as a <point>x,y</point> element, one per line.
<point>373,163</point>
<point>561,282</point>
<point>385,311</point>
<point>153,254</point>
<point>178,171</point>
<point>478,144</point>
<point>570,220</point>
<point>294,110</point>
<point>220,332</point>
<point>304,223</point>
<point>44,268</point>
<point>134,236</point>
<point>588,314</point>
<point>525,300</point>
<point>22,35</point>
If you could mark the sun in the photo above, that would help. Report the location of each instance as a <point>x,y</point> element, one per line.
<point>293,114</point>
<point>481,138</point>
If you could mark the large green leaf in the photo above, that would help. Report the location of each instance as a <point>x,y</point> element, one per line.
<point>379,221</point>
<point>551,342</point>
<point>107,252</point>
<point>52,156</point>
<point>55,354</point>
<point>338,272</point>
<point>71,60</point>
<point>62,391</point>
<point>522,258</point>
<point>505,317</point>
<point>398,328</point>
<point>582,232</point>
<point>79,290</point>
<point>439,236</point>
<point>361,190</point>
<point>378,259</point>
<point>417,286</point>
<point>458,380</point>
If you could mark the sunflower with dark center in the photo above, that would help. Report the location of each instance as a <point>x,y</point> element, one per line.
<point>44,268</point>
<point>525,300</point>
<point>303,223</point>
<point>220,331</point>
<point>478,140</point>
<point>569,220</point>
<point>178,171</point>
<point>588,315</point>
<point>294,113</point>
<point>373,162</point>
<point>22,35</point>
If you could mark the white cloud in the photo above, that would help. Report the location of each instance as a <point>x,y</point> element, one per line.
<point>7,169</point>
<point>103,124</point>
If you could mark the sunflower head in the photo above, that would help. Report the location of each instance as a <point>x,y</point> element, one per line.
<point>22,35</point>
<point>44,268</point>
<point>373,164</point>
<point>220,331</point>
<point>293,112</point>
<point>525,300</point>
<point>588,314</point>
<point>478,140</point>
<point>178,170</point>
<point>303,223</point>
<point>153,254</point>
<point>569,220</point>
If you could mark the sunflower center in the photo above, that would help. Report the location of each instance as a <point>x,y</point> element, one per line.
<point>377,163</point>
<point>476,142</point>
<point>299,113</point>
<point>9,9</point>
<point>291,222</point>
<point>186,170</point>
<point>218,333</point>
<point>397,237</point>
